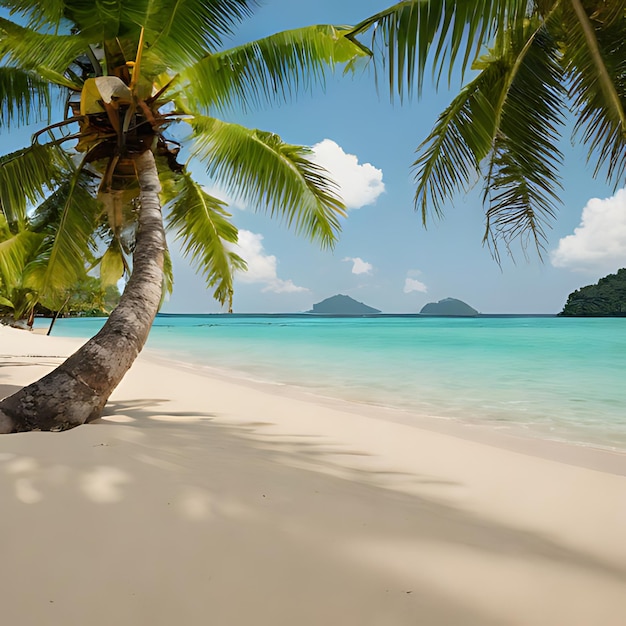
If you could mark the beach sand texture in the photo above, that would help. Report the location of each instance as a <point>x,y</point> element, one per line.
<point>202,500</point>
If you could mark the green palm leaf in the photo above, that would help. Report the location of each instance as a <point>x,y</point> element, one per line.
<point>506,120</point>
<point>269,69</point>
<point>15,253</point>
<point>26,176</point>
<point>112,265</point>
<point>418,32</point>
<point>37,14</point>
<point>522,182</point>
<point>24,97</point>
<point>449,158</point>
<point>71,243</point>
<point>201,222</point>
<point>48,54</point>
<point>101,19</point>
<point>168,275</point>
<point>6,302</point>
<point>271,174</point>
<point>595,62</point>
<point>182,31</point>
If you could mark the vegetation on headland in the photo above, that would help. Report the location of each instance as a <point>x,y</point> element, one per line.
<point>606,298</point>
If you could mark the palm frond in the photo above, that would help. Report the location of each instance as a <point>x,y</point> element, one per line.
<point>71,242</point>
<point>449,158</point>
<point>180,32</point>
<point>26,177</point>
<point>5,302</point>
<point>595,61</point>
<point>201,222</point>
<point>101,19</point>
<point>112,265</point>
<point>505,120</point>
<point>413,34</point>
<point>268,70</point>
<point>48,54</point>
<point>5,231</point>
<point>522,181</point>
<point>168,275</point>
<point>15,253</point>
<point>24,97</point>
<point>37,14</point>
<point>270,174</point>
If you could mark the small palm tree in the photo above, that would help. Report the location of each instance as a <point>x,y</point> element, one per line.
<point>131,76</point>
<point>25,252</point>
<point>534,62</point>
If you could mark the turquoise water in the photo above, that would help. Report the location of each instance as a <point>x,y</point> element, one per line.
<point>559,378</point>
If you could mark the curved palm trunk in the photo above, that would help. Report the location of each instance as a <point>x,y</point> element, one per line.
<point>78,389</point>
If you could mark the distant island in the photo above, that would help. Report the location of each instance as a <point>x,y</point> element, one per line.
<point>342,305</point>
<point>449,306</point>
<point>607,298</point>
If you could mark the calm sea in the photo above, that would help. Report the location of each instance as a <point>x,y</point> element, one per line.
<point>560,378</point>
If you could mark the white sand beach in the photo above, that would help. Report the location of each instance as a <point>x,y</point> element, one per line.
<point>199,499</point>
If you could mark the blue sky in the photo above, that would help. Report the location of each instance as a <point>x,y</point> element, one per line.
<point>385,257</point>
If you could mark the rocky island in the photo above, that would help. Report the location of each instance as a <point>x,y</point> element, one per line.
<point>449,307</point>
<point>342,305</point>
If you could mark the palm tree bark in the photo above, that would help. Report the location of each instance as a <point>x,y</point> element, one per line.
<point>76,392</point>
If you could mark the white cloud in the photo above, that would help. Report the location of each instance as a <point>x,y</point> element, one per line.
<point>359,266</point>
<point>262,267</point>
<point>599,242</point>
<point>412,284</point>
<point>359,184</point>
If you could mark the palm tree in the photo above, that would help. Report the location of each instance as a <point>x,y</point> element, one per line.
<point>25,252</point>
<point>534,62</point>
<point>16,250</point>
<point>127,72</point>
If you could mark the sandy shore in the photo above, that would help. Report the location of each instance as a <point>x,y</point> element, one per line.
<point>200,500</point>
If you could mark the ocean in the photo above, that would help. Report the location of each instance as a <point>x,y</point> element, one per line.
<point>550,377</point>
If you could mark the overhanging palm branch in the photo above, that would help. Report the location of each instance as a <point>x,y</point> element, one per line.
<point>24,97</point>
<point>202,224</point>
<point>595,64</point>
<point>504,125</point>
<point>450,157</point>
<point>27,175</point>
<point>112,264</point>
<point>72,244</point>
<point>278,177</point>
<point>180,33</point>
<point>521,184</point>
<point>178,29</point>
<point>416,33</point>
<point>47,54</point>
<point>168,276</point>
<point>15,252</point>
<point>268,70</point>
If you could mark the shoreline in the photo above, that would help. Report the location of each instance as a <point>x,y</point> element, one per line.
<point>513,437</point>
<point>561,400</point>
<point>202,499</point>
